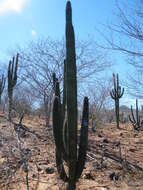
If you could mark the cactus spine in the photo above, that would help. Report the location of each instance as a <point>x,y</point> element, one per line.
<point>12,79</point>
<point>135,120</point>
<point>2,85</point>
<point>65,115</point>
<point>116,94</point>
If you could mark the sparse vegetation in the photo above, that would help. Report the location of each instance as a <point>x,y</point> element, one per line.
<point>48,139</point>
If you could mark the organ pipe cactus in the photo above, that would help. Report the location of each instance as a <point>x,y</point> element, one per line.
<point>12,79</point>
<point>135,119</point>
<point>65,116</point>
<point>2,85</point>
<point>116,94</point>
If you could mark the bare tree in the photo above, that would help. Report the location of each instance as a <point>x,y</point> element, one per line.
<point>126,36</point>
<point>22,101</point>
<point>41,58</point>
<point>99,101</point>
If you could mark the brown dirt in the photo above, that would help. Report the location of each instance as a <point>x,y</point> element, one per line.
<point>98,171</point>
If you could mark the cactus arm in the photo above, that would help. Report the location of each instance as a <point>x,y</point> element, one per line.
<point>131,119</point>
<point>137,115</point>
<point>2,85</point>
<point>83,139</point>
<point>121,94</point>
<point>117,76</point>
<point>57,122</point>
<point>113,94</point>
<point>3,82</point>
<point>58,117</point>
<point>54,80</point>
<point>132,113</point>
<point>64,87</point>
<point>57,137</point>
<point>12,69</point>
<point>9,73</point>
<point>15,71</point>
<point>60,167</point>
<point>137,112</point>
<point>57,90</point>
<point>114,81</point>
<point>65,141</point>
<point>139,121</point>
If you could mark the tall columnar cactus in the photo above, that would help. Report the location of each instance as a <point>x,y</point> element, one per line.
<point>65,115</point>
<point>12,79</point>
<point>136,120</point>
<point>116,94</point>
<point>2,85</point>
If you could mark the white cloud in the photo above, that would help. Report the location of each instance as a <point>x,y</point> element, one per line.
<point>33,32</point>
<point>11,5</point>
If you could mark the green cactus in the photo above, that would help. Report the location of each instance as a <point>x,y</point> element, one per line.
<point>116,94</point>
<point>2,85</point>
<point>136,120</point>
<point>65,115</point>
<point>12,80</point>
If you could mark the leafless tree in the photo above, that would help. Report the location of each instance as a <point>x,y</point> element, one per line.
<point>41,58</point>
<point>126,36</point>
<point>99,99</point>
<point>22,101</point>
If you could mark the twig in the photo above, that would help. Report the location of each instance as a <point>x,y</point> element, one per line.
<point>24,162</point>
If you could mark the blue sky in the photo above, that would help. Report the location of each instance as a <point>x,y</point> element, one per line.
<point>25,20</point>
<point>19,21</point>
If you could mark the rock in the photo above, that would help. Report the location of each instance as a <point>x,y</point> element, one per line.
<point>105,141</point>
<point>99,135</point>
<point>132,150</point>
<point>49,170</point>
<point>34,176</point>
<point>113,176</point>
<point>89,176</point>
<point>39,169</point>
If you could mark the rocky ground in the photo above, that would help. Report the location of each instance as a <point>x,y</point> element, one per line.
<point>114,159</point>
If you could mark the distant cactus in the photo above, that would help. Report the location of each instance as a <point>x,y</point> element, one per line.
<point>65,115</point>
<point>135,120</point>
<point>116,94</point>
<point>2,85</point>
<point>12,80</point>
